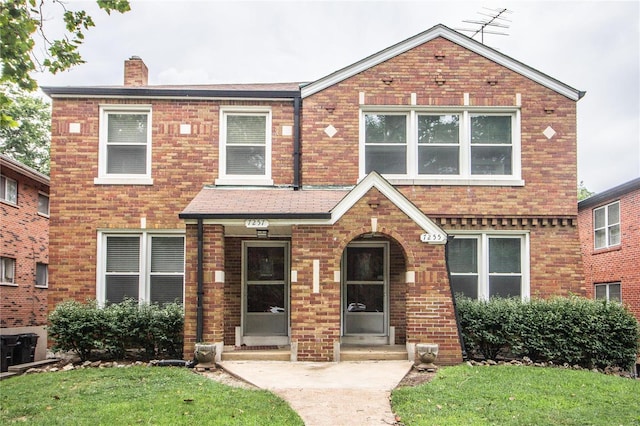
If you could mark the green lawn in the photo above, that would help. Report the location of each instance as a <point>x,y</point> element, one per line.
<point>136,395</point>
<point>518,395</point>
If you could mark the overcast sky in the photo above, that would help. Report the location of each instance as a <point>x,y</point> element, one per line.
<point>592,46</point>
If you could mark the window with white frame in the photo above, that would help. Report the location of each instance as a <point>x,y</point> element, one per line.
<point>455,145</point>
<point>8,190</point>
<point>142,266</point>
<point>125,145</point>
<point>43,204</point>
<point>42,275</point>
<point>489,265</point>
<point>7,270</point>
<point>245,146</point>
<point>606,225</point>
<point>610,292</point>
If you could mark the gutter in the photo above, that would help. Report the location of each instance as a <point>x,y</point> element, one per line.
<point>297,105</point>
<point>200,278</point>
<point>145,92</point>
<point>290,216</point>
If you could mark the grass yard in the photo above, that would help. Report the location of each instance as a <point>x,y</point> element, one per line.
<point>136,395</point>
<point>519,395</point>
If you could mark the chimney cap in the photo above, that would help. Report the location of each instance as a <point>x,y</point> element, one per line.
<point>135,57</point>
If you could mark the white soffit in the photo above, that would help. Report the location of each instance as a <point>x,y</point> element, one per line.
<point>453,36</point>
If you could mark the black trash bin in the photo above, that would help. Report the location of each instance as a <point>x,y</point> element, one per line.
<point>25,350</point>
<point>8,343</point>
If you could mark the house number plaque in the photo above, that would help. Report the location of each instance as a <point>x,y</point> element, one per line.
<point>256,223</point>
<point>431,238</point>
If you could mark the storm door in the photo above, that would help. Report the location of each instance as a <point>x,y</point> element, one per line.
<point>265,296</point>
<point>365,292</point>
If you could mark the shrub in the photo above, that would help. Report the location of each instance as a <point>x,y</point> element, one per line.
<point>571,330</point>
<point>153,330</point>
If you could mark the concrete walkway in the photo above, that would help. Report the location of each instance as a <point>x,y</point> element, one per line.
<point>329,393</point>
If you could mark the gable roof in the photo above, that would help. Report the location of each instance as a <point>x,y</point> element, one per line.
<point>284,206</point>
<point>23,169</point>
<point>615,192</point>
<point>455,37</point>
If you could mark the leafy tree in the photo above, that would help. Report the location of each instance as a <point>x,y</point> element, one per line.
<point>583,192</point>
<point>21,24</point>
<point>28,140</point>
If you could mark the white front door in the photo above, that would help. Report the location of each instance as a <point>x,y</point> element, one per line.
<point>365,295</point>
<point>265,293</point>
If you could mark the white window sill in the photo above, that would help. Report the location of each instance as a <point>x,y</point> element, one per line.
<point>457,182</point>
<point>9,284</point>
<point>42,286</point>
<point>123,181</point>
<point>244,181</point>
<point>9,203</point>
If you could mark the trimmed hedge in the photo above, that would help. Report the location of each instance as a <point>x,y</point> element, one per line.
<point>576,331</point>
<point>85,328</point>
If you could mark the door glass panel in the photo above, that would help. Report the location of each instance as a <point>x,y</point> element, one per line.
<point>365,264</point>
<point>365,298</point>
<point>265,298</point>
<point>265,263</point>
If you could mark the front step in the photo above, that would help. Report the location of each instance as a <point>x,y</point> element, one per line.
<point>247,354</point>
<point>373,353</point>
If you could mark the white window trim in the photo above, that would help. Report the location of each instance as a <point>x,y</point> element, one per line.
<point>483,259</point>
<point>46,284</point>
<point>105,178</point>
<point>6,186</point>
<point>2,271</point>
<point>606,227</point>
<point>224,178</point>
<point>144,283</point>
<point>608,285</point>
<point>44,194</point>
<point>465,177</point>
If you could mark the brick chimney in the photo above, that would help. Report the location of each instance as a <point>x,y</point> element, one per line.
<point>136,72</point>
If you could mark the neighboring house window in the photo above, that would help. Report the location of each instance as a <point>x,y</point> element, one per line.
<point>43,204</point>
<point>8,190</point>
<point>457,146</point>
<point>125,145</point>
<point>245,147</point>
<point>146,267</point>
<point>487,265</point>
<point>7,270</point>
<point>608,291</point>
<point>42,275</point>
<point>606,225</point>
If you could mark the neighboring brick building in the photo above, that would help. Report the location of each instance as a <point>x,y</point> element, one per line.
<point>24,252</point>
<point>609,224</point>
<point>316,216</point>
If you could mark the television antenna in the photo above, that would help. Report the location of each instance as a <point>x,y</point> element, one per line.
<point>493,18</point>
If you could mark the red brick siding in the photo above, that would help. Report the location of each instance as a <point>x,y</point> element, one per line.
<point>618,263</point>
<point>181,166</point>
<point>24,236</point>
<point>548,166</point>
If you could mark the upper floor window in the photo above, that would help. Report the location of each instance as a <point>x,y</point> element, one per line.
<point>43,204</point>
<point>424,146</point>
<point>141,266</point>
<point>7,270</point>
<point>488,265</point>
<point>245,147</point>
<point>606,225</point>
<point>609,292</point>
<point>125,145</point>
<point>42,275</point>
<point>8,190</point>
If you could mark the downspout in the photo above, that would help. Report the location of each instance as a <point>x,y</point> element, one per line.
<point>297,103</point>
<point>453,298</point>
<point>200,278</point>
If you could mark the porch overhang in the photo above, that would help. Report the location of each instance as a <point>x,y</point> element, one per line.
<point>241,210</point>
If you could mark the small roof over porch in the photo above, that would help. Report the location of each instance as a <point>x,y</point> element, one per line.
<point>242,210</point>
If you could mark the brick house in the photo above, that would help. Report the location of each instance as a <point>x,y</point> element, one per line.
<point>609,224</point>
<point>317,216</point>
<point>24,252</point>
